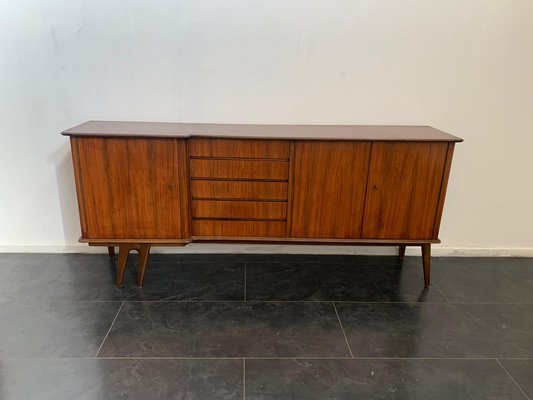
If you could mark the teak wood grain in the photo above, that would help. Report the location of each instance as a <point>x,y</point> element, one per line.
<point>144,184</point>
<point>221,148</point>
<point>228,229</point>
<point>79,187</point>
<point>444,186</point>
<point>392,133</point>
<point>329,189</point>
<point>244,190</point>
<point>239,209</point>
<point>239,169</point>
<point>130,188</point>
<point>403,190</point>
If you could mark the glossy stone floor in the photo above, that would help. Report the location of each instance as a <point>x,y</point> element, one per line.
<point>265,327</point>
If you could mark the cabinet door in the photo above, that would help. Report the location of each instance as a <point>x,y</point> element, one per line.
<point>132,188</point>
<point>403,190</point>
<point>329,189</point>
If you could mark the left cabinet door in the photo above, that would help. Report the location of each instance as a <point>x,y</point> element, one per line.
<point>131,188</point>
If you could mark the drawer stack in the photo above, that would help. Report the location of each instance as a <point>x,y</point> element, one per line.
<point>239,187</point>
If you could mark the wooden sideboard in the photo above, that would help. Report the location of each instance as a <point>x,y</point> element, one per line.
<point>141,184</point>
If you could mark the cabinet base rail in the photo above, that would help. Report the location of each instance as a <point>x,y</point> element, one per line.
<point>143,249</point>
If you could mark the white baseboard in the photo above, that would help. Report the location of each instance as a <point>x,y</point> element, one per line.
<point>198,248</point>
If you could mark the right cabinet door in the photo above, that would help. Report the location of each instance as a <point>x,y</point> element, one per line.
<point>404,186</point>
<point>329,189</point>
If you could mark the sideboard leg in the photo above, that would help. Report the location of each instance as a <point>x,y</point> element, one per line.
<point>111,251</point>
<point>401,252</point>
<point>123,252</point>
<point>144,250</point>
<point>426,260</point>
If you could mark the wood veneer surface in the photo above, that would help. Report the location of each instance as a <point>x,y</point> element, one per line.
<point>311,132</point>
<point>131,188</point>
<point>243,190</point>
<point>329,189</point>
<point>404,184</point>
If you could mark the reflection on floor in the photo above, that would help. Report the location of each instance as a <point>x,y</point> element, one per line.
<point>265,327</point>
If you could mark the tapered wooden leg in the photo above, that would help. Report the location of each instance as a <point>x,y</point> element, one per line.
<point>426,261</point>
<point>123,252</point>
<point>111,251</point>
<point>401,252</point>
<point>144,250</point>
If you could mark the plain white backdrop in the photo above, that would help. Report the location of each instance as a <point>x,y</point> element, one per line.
<point>465,67</point>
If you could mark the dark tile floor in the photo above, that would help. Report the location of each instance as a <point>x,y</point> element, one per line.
<point>265,327</point>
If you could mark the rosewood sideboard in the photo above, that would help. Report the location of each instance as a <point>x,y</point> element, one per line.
<point>141,184</point>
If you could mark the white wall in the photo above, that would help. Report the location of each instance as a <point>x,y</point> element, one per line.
<point>462,66</point>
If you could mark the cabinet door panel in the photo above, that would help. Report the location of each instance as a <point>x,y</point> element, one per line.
<point>329,189</point>
<point>131,188</point>
<point>403,190</point>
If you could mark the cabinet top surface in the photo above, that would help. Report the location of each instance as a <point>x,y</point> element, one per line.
<point>310,132</point>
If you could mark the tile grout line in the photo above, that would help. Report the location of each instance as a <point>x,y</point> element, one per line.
<point>442,293</point>
<point>342,329</point>
<point>245,281</point>
<point>109,330</point>
<point>244,379</point>
<point>511,377</point>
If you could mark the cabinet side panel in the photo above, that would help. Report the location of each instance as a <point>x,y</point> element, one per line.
<point>444,187</point>
<point>131,188</point>
<point>79,184</point>
<point>329,189</point>
<point>403,190</point>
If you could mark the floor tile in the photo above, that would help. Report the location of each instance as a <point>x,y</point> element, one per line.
<point>55,329</point>
<point>52,258</point>
<point>499,280</point>
<point>354,259</point>
<point>86,379</point>
<point>64,279</point>
<point>340,282</point>
<point>378,379</point>
<point>210,281</point>
<point>226,330</point>
<point>438,330</point>
<point>31,281</point>
<point>522,373</point>
<point>239,258</point>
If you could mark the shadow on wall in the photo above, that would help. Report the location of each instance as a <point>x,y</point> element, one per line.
<point>62,160</point>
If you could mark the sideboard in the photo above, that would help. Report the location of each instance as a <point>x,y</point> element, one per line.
<point>141,184</point>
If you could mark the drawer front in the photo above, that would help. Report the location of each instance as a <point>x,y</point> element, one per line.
<point>239,209</point>
<point>245,190</point>
<point>239,169</point>
<point>239,148</point>
<point>238,228</point>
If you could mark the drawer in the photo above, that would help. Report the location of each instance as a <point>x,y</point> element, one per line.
<point>239,148</point>
<point>239,209</point>
<point>239,169</point>
<point>245,190</point>
<point>238,228</point>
